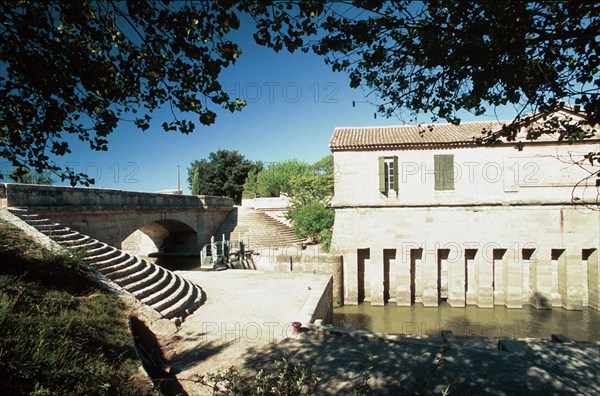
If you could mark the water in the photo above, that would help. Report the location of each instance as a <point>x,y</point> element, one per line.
<point>471,321</point>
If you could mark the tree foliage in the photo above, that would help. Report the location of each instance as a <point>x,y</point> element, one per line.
<point>310,188</point>
<point>222,174</point>
<point>78,69</point>
<point>439,57</point>
<point>25,176</point>
<point>315,184</point>
<point>310,213</point>
<point>276,179</point>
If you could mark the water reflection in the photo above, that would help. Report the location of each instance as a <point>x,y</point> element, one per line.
<point>471,321</point>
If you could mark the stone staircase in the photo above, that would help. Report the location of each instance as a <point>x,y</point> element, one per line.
<point>256,228</point>
<point>172,296</point>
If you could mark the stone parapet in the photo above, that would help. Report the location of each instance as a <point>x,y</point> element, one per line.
<point>30,195</point>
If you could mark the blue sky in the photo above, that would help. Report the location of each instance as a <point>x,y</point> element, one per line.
<point>294,103</point>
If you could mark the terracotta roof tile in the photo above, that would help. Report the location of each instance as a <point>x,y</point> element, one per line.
<point>443,135</point>
<point>345,138</point>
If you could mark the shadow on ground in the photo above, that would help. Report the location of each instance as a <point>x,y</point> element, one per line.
<point>411,367</point>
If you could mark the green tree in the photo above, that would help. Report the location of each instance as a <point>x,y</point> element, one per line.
<point>310,188</point>
<point>310,213</point>
<point>277,178</point>
<point>79,68</point>
<point>316,184</point>
<point>222,174</point>
<point>439,57</point>
<point>25,176</point>
<point>442,56</point>
<point>251,185</point>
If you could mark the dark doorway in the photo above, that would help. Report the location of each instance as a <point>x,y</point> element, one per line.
<point>442,274</point>
<point>469,266</point>
<point>415,254</point>
<point>362,256</point>
<point>388,254</point>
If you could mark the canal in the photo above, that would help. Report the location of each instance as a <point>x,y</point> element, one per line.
<point>469,321</point>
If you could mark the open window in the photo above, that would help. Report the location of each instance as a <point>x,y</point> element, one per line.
<point>388,174</point>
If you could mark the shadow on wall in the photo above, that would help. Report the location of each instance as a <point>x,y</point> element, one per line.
<point>539,301</point>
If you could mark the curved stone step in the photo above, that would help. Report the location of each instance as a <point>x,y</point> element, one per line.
<point>133,284</point>
<point>91,244</point>
<point>102,248</point>
<point>108,254</point>
<point>75,242</point>
<point>173,298</point>
<point>137,266</point>
<point>34,222</point>
<point>48,227</point>
<point>123,260</point>
<point>151,288</point>
<point>186,305</point>
<point>145,272</point>
<point>163,292</point>
<point>30,216</point>
<point>70,236</point>
<point>56,232</point>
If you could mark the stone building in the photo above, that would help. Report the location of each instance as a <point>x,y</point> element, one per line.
<point>425,215</point>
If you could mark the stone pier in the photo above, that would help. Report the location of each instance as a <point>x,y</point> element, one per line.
<point>593,264</point>
<point>499,280</point>
<point>544,278</point>
<point>485,280</point>
<point>456,279</point>
<point>513,276</point>
<point>404,291</point>
<point>429,276</point>
<point>472,259</point>
<point>375,268</point>
<point>351,277</point>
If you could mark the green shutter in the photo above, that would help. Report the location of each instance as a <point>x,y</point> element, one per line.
<point>449,172</point>
<point>396,181</point>
<point>382,174</point>
<point>444,172</point>
<point>437,171</point>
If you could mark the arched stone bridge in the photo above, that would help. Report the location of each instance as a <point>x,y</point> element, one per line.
<point>137,222</point>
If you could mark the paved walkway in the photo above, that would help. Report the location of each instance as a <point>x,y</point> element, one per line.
<point>245,323</point>
<point>244,310</point>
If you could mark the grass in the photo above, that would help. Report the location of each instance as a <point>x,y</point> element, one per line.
<point>60,333</point>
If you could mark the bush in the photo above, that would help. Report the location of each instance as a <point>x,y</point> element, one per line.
<point>312,219</point>
<point>286,379</point>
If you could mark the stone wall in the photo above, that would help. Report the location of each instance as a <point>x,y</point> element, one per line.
<point>481,255</point>
<point>319,306</point>
<point>540,174</point>
<point>267,203</point>
<point>517,227</point>
<point>112,216</point>
<point>310,260</point>
<point>61,196</point>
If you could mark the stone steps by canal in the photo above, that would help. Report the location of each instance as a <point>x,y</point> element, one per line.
<point>256,228</point>
<point>172,296</point>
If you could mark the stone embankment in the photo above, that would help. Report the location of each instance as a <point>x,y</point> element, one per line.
<point>172,296</point>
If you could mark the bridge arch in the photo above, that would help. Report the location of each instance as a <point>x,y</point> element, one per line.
<point>161,236</point>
